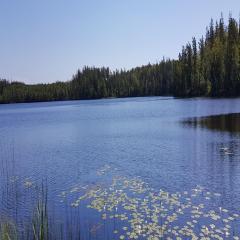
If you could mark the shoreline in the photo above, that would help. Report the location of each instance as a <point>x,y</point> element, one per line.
<point>110,98</point>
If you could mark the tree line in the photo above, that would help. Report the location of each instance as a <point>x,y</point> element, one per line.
<point>208,67</point>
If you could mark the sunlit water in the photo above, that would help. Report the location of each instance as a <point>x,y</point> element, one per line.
<point>163,143</point>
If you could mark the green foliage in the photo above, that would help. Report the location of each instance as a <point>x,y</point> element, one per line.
<point>210,67</point>
<point>7,230</point>
<point>40,222</point>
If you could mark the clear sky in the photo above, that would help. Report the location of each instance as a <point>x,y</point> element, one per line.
<point>48,40</point>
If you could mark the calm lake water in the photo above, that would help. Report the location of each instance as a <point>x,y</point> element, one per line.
<point>170,144</point>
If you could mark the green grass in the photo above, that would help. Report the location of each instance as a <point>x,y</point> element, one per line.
<point>8,230</point>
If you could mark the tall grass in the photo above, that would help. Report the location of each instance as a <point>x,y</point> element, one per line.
<point>39,226</point>
<point>38,222</point>
<point>8,230</point>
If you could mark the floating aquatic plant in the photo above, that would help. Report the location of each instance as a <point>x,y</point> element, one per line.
<point>147,213</point>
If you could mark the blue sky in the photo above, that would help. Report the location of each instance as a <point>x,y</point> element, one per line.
<point>48,40</point>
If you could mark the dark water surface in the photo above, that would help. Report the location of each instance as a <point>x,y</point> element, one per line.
<point>172,144</point>
<point>223,122</point>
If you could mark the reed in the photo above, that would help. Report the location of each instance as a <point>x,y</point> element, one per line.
<point>40,219</point>
<point>39,223</point>
<point>8,230</point>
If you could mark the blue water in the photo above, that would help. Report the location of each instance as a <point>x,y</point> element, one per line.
<point>66,143</point>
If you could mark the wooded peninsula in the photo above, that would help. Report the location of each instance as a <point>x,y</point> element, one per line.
<point>207,67</point>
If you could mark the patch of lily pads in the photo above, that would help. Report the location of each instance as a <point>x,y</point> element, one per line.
<point>141,212</point>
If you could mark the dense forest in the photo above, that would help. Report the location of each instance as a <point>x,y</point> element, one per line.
<point>208,67</point>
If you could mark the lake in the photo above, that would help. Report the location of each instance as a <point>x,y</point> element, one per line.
<point>134,146</point>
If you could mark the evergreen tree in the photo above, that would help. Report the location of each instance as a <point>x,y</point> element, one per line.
<point>209,68</point>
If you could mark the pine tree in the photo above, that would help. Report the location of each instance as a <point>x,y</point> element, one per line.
<point>232,59</point>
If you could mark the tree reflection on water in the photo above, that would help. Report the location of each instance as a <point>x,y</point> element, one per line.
<point>226,122</point>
